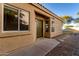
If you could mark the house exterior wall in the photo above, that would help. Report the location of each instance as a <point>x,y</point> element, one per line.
<point>13,40</point>
<point>57,28</point>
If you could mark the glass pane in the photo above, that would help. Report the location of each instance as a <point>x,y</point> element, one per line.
<point>46,26</point>
<point>10,19</point>
<point>52,29</point>
<point>24,20</point>
<point>52,26</point>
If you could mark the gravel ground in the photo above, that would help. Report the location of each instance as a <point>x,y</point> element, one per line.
<point>69,46</point>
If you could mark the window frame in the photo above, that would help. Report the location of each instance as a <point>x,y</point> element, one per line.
<point>18,9</point>
<point>52,24</point>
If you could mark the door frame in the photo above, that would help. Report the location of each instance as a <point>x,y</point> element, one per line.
<point>42,28</point>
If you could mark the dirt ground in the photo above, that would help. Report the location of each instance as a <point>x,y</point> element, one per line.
<point>69,46</point>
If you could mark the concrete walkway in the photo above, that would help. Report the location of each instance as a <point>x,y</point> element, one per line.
<point>40,48</point>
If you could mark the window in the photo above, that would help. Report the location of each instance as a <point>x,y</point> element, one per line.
<point>15,19</point>
<point>52,26</point>
<point>10,19</point>
<point>23,22</point>
<point>46,26</point>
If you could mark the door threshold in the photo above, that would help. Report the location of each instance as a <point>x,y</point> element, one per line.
<point>42,38</point>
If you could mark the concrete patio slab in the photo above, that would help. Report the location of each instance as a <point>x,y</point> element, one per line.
<point>33,51</point>
<point>40,48</point>
<point>47,45</point>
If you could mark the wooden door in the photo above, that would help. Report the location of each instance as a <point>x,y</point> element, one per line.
<point>39,28</point>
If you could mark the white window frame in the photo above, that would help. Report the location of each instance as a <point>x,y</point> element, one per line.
<point>19,9</point>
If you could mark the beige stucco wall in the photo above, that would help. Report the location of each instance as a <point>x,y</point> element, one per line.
<point>13,40</point>
<point>57,27</point>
